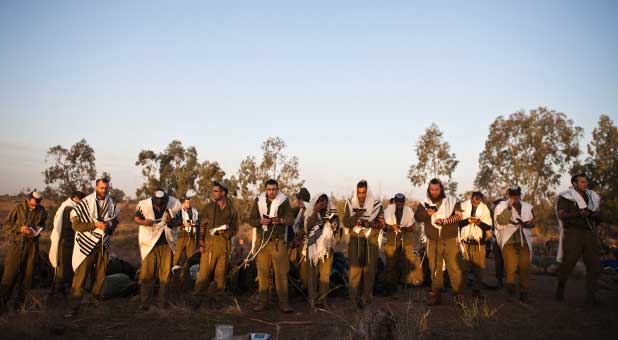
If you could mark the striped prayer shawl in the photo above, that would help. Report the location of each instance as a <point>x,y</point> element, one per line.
<point>320,237</point>
<point>88,211</point>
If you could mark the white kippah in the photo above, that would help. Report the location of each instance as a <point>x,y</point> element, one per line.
<point>159,194</point>
<point>36,195</point>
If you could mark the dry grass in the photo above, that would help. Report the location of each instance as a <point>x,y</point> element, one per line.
<point>473,314</point>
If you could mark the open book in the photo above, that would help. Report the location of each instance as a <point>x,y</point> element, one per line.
<point>36,231</point>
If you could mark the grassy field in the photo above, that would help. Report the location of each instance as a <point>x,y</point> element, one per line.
<point>401,317</point>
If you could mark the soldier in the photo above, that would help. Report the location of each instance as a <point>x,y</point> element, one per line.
<point>440,214</point>
<point>157,217</point>
<point>219,225</point>
<point>321,228</point>
<point>62,241</point>
<point>399,230</point>
<point>363,219</point>
<point>270,216</point>
<point>22,227</point>
<point>187,242</point>
<point>577,210</point>
<point>473,234</point>
<point>302,197</point>
<point>94,220</point>
<point>514,223</point>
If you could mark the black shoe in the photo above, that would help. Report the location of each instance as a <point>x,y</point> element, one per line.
<point>510,292</point>
<point>523,297</point>
<point>560,292</point>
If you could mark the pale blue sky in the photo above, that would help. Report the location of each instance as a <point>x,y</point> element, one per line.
<point>348,85</point>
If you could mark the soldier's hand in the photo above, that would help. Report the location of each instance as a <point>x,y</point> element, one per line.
<point>276,220</point>
<point>430,212</point>
<point>440,221</point>
<point>186,224</point>
<point>148,223</point>
<point>100,225</point>
<point>265,221</point>
<point>25,230</point>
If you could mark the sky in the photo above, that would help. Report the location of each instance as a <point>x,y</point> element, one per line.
<point>349,85</point>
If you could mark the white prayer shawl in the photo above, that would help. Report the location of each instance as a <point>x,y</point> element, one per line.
<point>56,233</point>
<point>572,195</point>
<point>444,211</point>
<point>324,237</point>
<point>263,209</point>
<point>149,235</point>
<point>472,231</point>
<point>193,219</point>
<point>505,231</point>
<point>372,209</point>
<point>87,211</point>
<point>407,218</point>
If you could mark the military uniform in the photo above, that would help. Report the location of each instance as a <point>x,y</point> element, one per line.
<point>217,246</point>
<point>187,242</point>
<point>579,240</point>
<point>94,251</point>
<point>64,269</point>
<point>22,251</point>
<point>515,240</point>
<point>442,247</point>
<point>318,272</point>
<point>363,252</point>
<point>273,253</point>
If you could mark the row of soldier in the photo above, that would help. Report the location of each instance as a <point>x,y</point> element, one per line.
<point>451,235</point>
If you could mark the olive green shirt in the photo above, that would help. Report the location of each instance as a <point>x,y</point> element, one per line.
<point>448,230</point>
<point>284,211</point>
<point>350,221</point>
<point>505,218</point>
<point>21,216</point>
<point>212,217</point>
<point>575,222</point>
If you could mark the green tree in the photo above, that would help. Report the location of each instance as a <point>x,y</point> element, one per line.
<point>174,170</point>
<point>274,163</point>
<point>531,150</point>
<point>601,166</point>
<point>208,173</point>
<point>114,192</point>
<point>434,159</point>
<point>71,169</point>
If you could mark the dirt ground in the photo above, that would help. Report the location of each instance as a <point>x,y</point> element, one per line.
<point>403,316</point>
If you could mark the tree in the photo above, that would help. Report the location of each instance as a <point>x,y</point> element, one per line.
<point>530,150</point>
<point>174,170</point>
<point>601,165</point>
<point>434,159</point>
<point>208,173</point>
<point>274,164</point>
<point>114,192</point>
<point>252,176</point>
<point>72,169</point>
